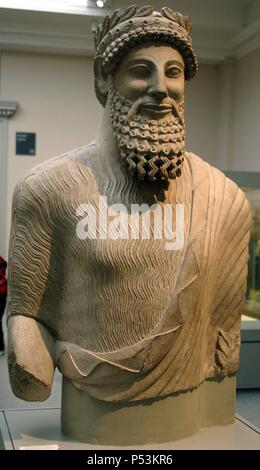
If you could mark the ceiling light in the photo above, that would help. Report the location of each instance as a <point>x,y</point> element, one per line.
<point>100,3</point>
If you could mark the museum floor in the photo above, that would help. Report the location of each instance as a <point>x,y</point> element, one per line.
<point>248,401</point>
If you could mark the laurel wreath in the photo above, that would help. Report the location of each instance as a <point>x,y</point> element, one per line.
<point>118,16</point>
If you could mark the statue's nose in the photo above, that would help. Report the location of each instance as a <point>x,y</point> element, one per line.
<point>158,86</point>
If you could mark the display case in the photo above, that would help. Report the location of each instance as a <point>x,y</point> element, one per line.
<point>250,184</point>
<point>249,374</point>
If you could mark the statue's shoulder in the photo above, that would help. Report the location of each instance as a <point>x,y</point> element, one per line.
<point>219,185</point>
<point>57,165</point>
<point>48,178</point>
<point>202,169</point>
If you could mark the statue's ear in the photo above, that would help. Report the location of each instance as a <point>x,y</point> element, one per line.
<point>102,80</point>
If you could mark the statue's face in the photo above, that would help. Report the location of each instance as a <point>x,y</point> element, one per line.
<point>146,101</point>
<point>154,75</point>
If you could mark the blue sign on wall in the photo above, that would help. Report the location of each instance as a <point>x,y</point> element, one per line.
<point>25,143</point>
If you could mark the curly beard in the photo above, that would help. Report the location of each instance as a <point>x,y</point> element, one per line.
<point>152,149</point>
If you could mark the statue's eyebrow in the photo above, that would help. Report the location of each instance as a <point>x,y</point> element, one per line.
<point>150,62</point>
<point>175,62</point>
<point>139,60</point>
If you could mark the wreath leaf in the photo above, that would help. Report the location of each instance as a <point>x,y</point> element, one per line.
<point>144,11</point>
<point>129,13</point>
<point>97,35</point>
<point>180,19</point>
<point>114,18</point>
<point>168,13</point>
<point>105,25</point>
<point>188,24</point>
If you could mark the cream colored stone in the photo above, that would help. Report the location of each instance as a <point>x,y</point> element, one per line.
<point>149,421</point>
<point>136,330</point>
<point>31,367</point>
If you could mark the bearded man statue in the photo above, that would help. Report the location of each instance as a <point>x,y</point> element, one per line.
<point>146,332</point>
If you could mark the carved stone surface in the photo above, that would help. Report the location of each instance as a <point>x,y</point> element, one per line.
<point>129,315</point>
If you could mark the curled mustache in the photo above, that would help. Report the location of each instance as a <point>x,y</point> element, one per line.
<point>134,109</point>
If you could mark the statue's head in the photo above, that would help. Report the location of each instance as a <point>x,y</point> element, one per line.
<point>143,58</point>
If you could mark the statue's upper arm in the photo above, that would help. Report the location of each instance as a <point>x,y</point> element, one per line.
<point>31,345</point>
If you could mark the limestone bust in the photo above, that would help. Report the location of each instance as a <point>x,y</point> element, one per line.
<point>130,324</point>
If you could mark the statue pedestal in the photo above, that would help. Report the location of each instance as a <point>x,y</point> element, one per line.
<point>40,429</point>
<point>150,421</point>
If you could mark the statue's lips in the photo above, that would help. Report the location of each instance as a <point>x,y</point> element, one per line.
<point>157,109</point>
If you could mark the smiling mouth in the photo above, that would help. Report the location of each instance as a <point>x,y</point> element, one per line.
<point>157,109</point>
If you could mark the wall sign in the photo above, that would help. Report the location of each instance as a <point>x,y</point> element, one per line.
<point>25,143</point>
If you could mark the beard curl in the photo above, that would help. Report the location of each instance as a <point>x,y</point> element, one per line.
<point>153,149</point>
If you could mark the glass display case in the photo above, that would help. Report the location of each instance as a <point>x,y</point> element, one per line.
<point>249,374</point>
<point>250,184</point>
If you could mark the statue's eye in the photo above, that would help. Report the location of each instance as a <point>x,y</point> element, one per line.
<point>139,70</point>
<point>173,72</point>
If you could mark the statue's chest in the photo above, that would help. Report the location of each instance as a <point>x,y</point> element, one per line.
<point>120,240</point>
<point>116,240</point>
